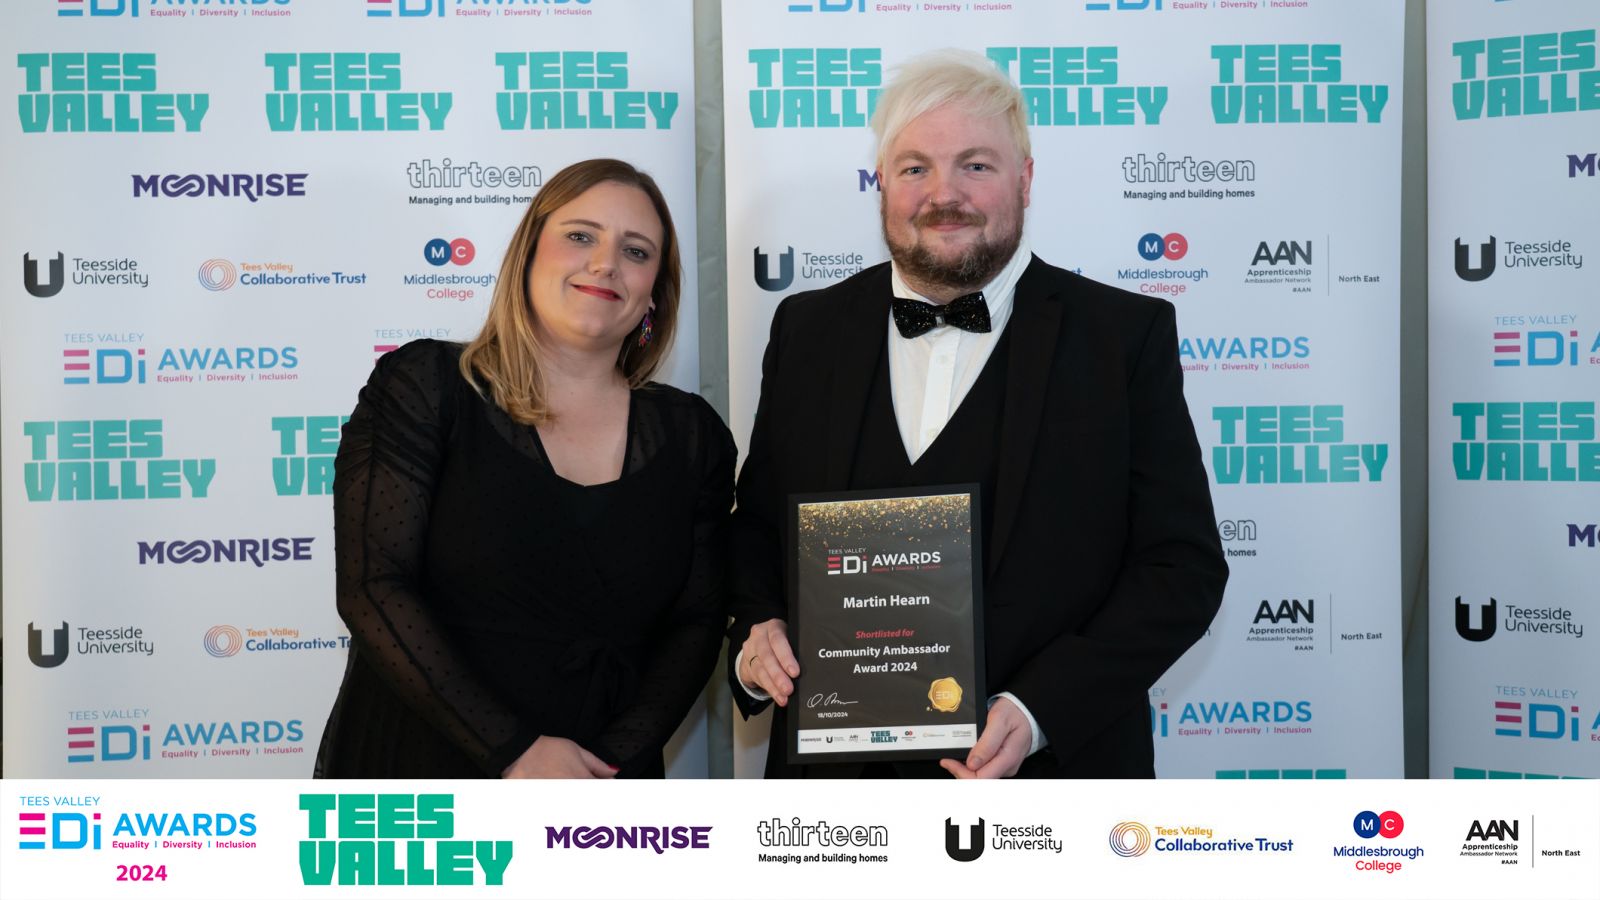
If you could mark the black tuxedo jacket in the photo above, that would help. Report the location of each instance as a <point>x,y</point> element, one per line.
<point>1103,564</point>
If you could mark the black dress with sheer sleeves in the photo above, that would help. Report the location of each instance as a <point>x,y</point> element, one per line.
<point>490,601</point>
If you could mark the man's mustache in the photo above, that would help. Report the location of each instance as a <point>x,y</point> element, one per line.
<point>949,215</point>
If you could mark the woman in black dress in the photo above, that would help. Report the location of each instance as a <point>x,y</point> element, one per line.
<point>530,533</point>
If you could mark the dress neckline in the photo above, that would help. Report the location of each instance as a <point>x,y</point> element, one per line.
<point>627,451</point>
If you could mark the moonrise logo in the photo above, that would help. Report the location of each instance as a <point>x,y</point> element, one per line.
<point>248,186</point>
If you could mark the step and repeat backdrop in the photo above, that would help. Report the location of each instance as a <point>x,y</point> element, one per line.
<point>218,215</point>
<point>1239,159</point>
<point>1514,357</point>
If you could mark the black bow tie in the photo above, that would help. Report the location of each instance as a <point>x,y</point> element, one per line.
<point>968,313</point>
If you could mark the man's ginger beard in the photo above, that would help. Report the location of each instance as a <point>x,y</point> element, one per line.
<point>970,270</point>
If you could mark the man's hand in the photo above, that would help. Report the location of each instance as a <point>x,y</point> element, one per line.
<point>555,757</point>
<point>767,664</point>
<point>1001,749</point>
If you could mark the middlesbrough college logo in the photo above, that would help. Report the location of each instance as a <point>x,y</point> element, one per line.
<point>1129,839</point>
<point>1173,246</point>
<point>218,275</point>
<point>1388,825</point>
<point>439,251</point>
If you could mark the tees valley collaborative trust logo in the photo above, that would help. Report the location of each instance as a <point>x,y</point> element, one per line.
<point>394,839</point>
<point>1130,840</point>
<point>224,641</point>
<point>222,275</point>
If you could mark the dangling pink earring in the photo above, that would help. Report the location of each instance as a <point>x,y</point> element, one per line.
<point>646,328</point>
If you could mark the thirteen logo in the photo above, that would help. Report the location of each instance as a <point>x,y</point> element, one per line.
<point>217,275</point>
<point>1484,269</point>
<point>1487,614</point>
<point>952,841</point>
<point>52,285</point>
<point>59,647</point>
<point>1388,825</point>
<point>223,641</point>
<point>785,270</point>
<point>440,251</point>
<point>1129,839</point>
<point>1153,246</point>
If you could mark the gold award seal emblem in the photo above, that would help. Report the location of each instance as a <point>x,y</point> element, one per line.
<point>945,695</point>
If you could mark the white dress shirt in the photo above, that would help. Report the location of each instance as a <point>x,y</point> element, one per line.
<point>929,376</point>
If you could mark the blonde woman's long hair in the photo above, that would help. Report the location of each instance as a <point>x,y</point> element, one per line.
<point>503,361</point>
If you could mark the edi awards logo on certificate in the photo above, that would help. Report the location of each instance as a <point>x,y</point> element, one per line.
<point>886,618</point>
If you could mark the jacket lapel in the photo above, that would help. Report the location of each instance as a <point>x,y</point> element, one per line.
<point>858,338</point>
<point>1035,330</point>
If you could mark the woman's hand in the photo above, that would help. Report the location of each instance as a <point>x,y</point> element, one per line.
<point>555,757</point>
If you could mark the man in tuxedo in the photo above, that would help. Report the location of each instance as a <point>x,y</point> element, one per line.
<point>968,359</point>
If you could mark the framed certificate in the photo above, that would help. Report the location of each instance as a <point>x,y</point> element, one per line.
<point>886,616</point>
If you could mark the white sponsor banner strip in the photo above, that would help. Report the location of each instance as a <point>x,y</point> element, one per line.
<point>712,839</point>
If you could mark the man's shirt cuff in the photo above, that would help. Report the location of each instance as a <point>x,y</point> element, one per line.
<point>1039,740</point>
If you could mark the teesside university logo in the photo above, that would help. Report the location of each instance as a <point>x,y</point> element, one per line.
<point>101,92</point>
<point>393,839</point>
<point>51,284</point>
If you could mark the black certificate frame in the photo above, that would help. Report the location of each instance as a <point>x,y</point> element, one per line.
<point>979,687</point>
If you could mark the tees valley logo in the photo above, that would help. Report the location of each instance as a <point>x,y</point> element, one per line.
<point>394,839</point>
